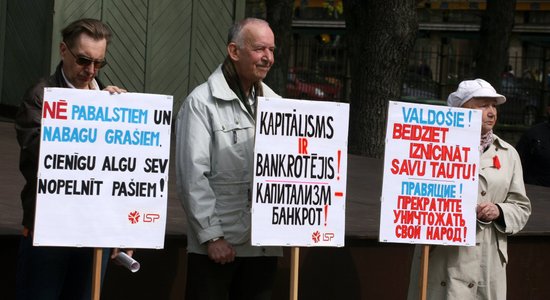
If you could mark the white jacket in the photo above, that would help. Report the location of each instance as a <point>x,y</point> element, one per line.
<point>214,165</point>
<point>479,272</point>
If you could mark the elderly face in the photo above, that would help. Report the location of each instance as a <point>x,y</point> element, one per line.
<point>254,57</point>
<point>84,47</point>
<point>489,108</point>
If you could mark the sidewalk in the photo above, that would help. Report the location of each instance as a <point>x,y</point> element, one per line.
<point>11,183</point>
<point>363,269</point>
<point>362,207</point>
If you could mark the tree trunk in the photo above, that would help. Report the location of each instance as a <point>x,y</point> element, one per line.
<point>380,35</point>
<point>494,39</point>
<point>279,16</point>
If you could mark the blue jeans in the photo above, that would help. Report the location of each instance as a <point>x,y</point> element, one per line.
<point>55,272</point>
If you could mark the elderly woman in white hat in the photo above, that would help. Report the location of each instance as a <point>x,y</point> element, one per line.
<point>503,209</point>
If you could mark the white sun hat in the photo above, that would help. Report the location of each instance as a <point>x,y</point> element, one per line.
<point>469,89</point>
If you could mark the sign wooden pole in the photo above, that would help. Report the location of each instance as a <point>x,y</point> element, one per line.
<point>294,272</point>
<point>96,276</point>
<point>424,271</point>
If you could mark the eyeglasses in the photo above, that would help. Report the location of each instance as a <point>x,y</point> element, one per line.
<point>86,61</point>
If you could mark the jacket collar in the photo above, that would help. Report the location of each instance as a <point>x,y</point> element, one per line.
<point>499,143</point>
<point>219,87</point>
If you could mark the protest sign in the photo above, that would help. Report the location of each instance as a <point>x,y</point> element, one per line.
<point>431,166</point>
<point>300,166</point>
<point>103,169</point>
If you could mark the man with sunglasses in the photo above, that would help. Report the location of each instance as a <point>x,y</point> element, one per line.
<point>57,272</point>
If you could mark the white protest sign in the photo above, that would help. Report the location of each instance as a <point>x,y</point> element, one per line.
<point>431,167</point>
<point>103,169</point>
<point>300,173</point>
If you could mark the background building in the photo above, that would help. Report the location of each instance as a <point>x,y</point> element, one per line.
<point>164,47</point>
<point>444,54</point>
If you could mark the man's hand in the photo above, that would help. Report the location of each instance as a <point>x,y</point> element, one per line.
<point>116,251</point>
<point>113,89</point>
<point>221,251</point>
<point>487,212</point>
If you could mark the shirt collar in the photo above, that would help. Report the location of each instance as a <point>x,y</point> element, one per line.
<point>93,84</point>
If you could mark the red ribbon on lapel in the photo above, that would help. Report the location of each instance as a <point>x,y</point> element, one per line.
<point>496,162</point>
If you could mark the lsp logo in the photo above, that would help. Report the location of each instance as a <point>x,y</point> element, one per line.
<point>133,217</point>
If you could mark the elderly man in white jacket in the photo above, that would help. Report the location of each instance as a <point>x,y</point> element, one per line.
<point>214,162</point>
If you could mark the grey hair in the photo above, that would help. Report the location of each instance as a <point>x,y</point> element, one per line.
<point>235,32</point>
<point>92,27</point>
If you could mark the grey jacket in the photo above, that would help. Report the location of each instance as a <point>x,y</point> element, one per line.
<point>214,161</point>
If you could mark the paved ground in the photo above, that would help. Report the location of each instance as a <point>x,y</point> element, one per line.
<point>11,182</point>
<point>362,209</point>
<point>364,269</point>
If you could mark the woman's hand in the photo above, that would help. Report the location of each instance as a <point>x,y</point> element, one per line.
<point>487,212</point>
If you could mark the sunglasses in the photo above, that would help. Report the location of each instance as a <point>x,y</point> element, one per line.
<point>86,61</point>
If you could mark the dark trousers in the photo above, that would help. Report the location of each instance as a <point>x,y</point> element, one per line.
<point>55,272</point>
<point>246,278</point>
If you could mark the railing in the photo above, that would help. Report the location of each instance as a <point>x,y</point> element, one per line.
<point>523,82</point>
<point>319,70</point>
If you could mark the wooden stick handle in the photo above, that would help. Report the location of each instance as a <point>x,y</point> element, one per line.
<point>424,271</point>
<point>96,276</point>
<point>294,272</point>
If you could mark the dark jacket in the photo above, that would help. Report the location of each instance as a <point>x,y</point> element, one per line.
<point>27,124</point>
<point>534,150</point>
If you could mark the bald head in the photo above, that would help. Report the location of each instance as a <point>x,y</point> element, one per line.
<point>250,48</point>
<point>237,31</point>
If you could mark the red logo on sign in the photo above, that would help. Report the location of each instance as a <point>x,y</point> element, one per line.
<point>133,217</point>
<point>328,236</point>
<point>316,236</point>
<point>150,218</point>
